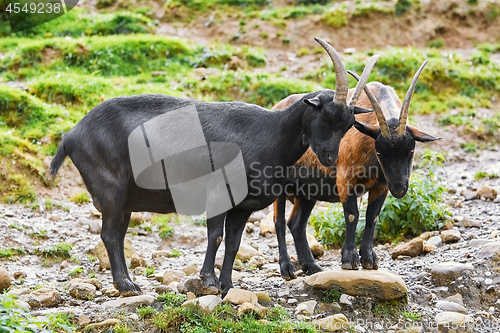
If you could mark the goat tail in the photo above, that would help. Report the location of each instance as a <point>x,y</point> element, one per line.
<point>58,160</point>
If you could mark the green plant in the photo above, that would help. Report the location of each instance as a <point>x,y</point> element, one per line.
<point>482,174</point>
<point>80,198</point>
<point>57,251</point>
<point>174,253</point>
<point>335,17</point>
<point>10,252</point>
<point>436,43</point>
<point>150,270</point>
<point>16,318</point>
<point>331,295</point>
<point>170,299</point>
<point>62,322</point>
<point>413,316</point>
<point>146,311</point>
<point>470,147</point>
<point>49,205</point>
<point>76,271</point>
<point>42,234</point>
<point>422,208</point>
<point>402,6</point>
<point>164,229</point>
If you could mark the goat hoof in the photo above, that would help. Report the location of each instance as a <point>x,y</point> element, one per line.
<point>350,259</point>
<point>311,268</point>
<point>128,288</point>
<point>368,259</point>
<point>288,271</point>
<point>210,282</point>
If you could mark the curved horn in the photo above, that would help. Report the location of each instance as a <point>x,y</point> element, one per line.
<point>405,108</point>
<point>384,129</point>
<point>341,85</point>
<point>362,81</point>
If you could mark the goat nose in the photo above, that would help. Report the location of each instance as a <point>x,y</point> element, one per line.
<point>398,191</point>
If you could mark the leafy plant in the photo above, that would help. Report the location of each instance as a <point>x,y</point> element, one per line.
<point>422,208</point>
<point>402,6</point>
<point>15,318</point>
<point>146,311</point>
<point>482,174</point>
<point>80,198</point>
<point>150,270</point>
<point>10,252</point>
<point>171,299</point>
<point>165,230</point>
<point>57,251</point>
<point>331,295</point>
<point>436,43</point>
<point>76,271</point>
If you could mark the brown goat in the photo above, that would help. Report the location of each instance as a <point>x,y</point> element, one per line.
<point>375,157</point>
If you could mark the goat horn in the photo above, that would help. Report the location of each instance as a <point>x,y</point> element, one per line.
<point>362,81</point>
<point>384,129</point>
<point>403,118</point>
<point>341,85</point>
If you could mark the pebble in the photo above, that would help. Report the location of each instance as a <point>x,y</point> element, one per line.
<point>490,250</point>
<point>5,281</point>
<point>450,236</point>
<point>267,225</point>
<point>435,240</point>
<point>246,252</point>
<point>451,306</point>
<point>412,248</point>
<point>306,308</point>
<point>133,301</point>
<point>239,296</point>
<point>208,302</point>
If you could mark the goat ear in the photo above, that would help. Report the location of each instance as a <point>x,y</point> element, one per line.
<point>420,136</point>
<point>367,129</point>
<point>358,110</point>
<point>315,102</point>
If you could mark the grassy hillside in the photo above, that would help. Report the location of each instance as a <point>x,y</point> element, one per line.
<point>51,75</point>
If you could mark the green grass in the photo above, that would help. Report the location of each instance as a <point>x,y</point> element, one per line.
<point>76,271</point>
<point>15,317</point>
<point>57,251</point>
<point>12,252</point>
<point>162,222</point>
<point>482,174</point>
<point>80,198</point>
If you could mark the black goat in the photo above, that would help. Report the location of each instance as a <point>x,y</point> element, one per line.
<point>377,162</point>
<point>99,147</point>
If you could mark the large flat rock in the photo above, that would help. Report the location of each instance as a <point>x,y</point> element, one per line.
<point>380,283</point>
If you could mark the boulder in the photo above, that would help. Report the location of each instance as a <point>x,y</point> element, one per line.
<point>486,192</point>
<point>490,251</point>
<point>240,296</point>
<point>446,271</point>
<point>43,297</point>
<point>80,290</point>
<point>451,306</point>
<point>380,283</point>
<point>332,323</point>
<point>208,302</point>
<point>316,248</point>
<point>5,281</point>
<point>131,302</point>
<point>306,308</point>
<point>454,322</point>
<point>172,276</point>
<point>190,284</point>
<point>102,254</point>
<point>412,248</point>
<point>450,236</point>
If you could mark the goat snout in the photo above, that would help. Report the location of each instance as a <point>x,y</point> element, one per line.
<point>328,158</point>
<point>399,190</point>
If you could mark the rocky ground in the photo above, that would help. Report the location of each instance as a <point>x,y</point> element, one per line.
<point>449,277</point>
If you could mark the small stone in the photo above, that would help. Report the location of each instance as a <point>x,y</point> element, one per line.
<point>172,276</point>
<point>332,323</point>
<point>428,247</point>
<point>137,261</point>
<point>95,282</point>
<point>448,225</point>
<point>47,297</point>
<point>451,306</point>
<point>246,252</point>
<point>413,248</point>
<point>263,298</point>
<point>131,302</point>
<point>240,296</point>
<point>450,236</point>
<point>102,324</point>
<point>5,281</point>
<point>316,248</point>
<point>457,298</point>
<point>469,223</point>
<point>190,295</point>
<point>487,193</point>
<point>95,213</point>
<point>449,270</point>
<point>292,301</point>
<point>190,284</point>
<point>208,302</point>
<point>267,225</point>
<point>306,308</point>
<point>453,319</point>
<point>435,240</point>
<point>490,251</point>
<point>80,290</point>
<point>477,242</point>
<point>102,254</point>
<point>17,276</point>
<point>257,261</point>
<point>469,195</point>
<point>83,320</point>
<point>345,300</point>
<point>111,292</point>
<point>248,307</point>
<point>191,269</point>
<point>210,290</point>
<point>95,226</point>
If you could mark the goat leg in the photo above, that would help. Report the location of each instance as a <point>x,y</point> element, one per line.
<point>297,225</point>
<point>286,267</point>
<point>350,257</point>
<point>368,256</point>
<point>215,231</point>
<point>235,223</point>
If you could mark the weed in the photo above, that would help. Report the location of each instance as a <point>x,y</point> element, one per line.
<point>16,226</point>
<point>146,312</point>
<point>150,270</point>
<point>174,254</point>
<point>92,275</point>
<point>331,295</point>
<point>335,17</point>
<point>164,229</point>
<point>436,43</point>
<point>62,322</point>
<point>57,251</point>
<point>172,300</point>
<point>413,316</point>
<point>42,234</point>
<point>91,257</point>
<point>121,329</point>
<point>80,198</point>
<point>76,271</point>
<point>15,317</point>
<point>302,51</point>
<point>49,205</point>
<point>482,174</point>
<point>11,252</point>
<point>402,6</point>
<point>470,147</point>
